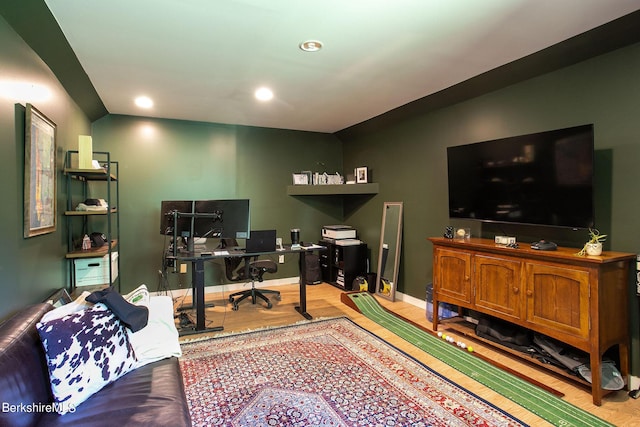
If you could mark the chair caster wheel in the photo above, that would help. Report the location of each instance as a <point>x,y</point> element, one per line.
<point>231,299</point>
<point>269,305</point>
<point>234,307</point>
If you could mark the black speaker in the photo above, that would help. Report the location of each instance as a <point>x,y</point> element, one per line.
<point>312,269</point>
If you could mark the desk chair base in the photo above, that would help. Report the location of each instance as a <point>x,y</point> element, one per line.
<point>254,294</point>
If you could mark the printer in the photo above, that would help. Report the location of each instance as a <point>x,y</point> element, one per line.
<point>338,232</point>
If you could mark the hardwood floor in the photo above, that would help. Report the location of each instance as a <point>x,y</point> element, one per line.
<point>324,301</point>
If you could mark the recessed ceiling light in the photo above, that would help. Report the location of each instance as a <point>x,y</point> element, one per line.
<point>264,94</point>
<point>311,45</point>
<point>144,102</point>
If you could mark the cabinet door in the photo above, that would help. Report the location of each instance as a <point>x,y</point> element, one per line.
<point>558,298</point>
<point>452,278</point>
<point>497,283</point>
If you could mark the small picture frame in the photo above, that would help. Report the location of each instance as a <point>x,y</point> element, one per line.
<point>300,179</point>
<point>361,175</point>
<point>59,298</point>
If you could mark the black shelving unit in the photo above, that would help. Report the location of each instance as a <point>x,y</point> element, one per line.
<point>99,183</point>
<point>340,264</point>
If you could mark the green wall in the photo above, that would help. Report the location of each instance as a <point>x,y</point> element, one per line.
<point>178,160</point>
<point>408,157</point>
<point>30,269</point>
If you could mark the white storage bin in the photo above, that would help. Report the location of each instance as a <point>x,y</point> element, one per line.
<point>95,271</point>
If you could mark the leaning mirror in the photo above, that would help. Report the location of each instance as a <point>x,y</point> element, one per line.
<point>389,251</point>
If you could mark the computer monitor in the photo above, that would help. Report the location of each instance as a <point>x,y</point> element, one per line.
<point>225,219</point>
<point>169,220</point>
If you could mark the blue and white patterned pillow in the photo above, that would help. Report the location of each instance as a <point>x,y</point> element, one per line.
<point>85,351</point>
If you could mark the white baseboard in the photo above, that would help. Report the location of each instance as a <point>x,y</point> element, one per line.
<point>411,300</point>
<point>238,286</point>
<point>233,287</point>
<point>634,382</point>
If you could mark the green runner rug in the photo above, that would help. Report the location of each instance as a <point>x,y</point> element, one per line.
<point>527,395</point>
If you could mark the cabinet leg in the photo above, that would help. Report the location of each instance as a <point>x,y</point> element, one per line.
<point>596,378</point>
<point>435,313</point>
<point>623,349</point>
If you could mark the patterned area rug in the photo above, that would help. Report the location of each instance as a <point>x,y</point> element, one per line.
<point>322,373</point>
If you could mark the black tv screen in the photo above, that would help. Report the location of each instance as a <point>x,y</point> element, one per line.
<point>544,178</point>
<point>228,219</point>
<point>169,221</point>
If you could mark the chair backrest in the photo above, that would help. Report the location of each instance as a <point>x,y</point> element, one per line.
<point>230,266</point>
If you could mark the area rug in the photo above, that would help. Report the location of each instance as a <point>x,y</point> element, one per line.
<point>542,403</point>
<point>322,373</point>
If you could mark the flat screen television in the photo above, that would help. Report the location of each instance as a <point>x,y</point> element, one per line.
<point>543,178</point>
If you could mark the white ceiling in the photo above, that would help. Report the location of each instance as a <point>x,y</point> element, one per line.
<point>202,59</point>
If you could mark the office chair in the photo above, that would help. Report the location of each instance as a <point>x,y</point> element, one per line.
<point>253,269</point>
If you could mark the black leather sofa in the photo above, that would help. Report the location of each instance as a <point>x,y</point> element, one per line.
<point>152,395</point>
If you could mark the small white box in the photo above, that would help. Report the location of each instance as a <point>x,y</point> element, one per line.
<point>505,240</point>
<point>85,152</point>
<point>95,271</point>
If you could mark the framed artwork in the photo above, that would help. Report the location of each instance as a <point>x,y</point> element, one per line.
<point>39,174</point>
<point>361,175</point>
<point>309,176</point>
<point>59,298</point>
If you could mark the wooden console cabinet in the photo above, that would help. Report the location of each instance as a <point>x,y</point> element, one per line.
<point>579,300</point>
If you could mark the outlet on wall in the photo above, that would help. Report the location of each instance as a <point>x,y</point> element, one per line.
<point>281,259</point>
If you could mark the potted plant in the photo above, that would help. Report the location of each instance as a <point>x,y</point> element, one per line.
<point>594,244</point>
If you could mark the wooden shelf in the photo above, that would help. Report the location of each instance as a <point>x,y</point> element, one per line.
<point>91,253</point>
<point>467,329</point>
<point>89,174</point>
<point>85,213</point>
<point>327,190</point>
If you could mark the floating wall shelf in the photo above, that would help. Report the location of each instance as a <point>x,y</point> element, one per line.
<point>326,190</point>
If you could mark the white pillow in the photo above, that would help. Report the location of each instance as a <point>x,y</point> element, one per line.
<point>85,351</point>
<point>159,339</point>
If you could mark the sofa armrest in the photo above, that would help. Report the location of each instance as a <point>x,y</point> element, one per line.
<point>24,378</point>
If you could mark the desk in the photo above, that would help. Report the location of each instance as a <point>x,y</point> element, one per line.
<point>198,259</point>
